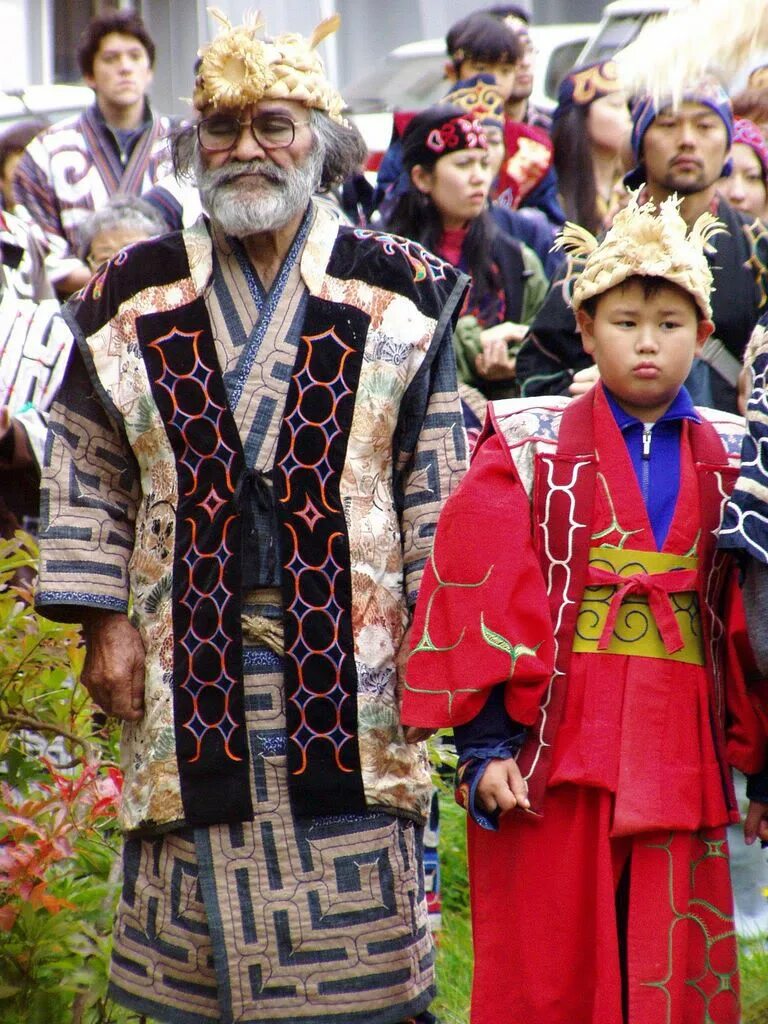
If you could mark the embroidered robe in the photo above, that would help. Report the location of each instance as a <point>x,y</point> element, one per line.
<point>384,306</point>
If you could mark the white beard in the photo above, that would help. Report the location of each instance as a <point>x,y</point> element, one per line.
<point>280,195</point>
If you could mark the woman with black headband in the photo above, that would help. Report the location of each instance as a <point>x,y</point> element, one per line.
<point>445,152</point>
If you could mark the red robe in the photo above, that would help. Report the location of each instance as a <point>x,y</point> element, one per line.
<point>627,757</point>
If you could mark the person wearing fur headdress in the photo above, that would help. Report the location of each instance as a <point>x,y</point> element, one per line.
<point>249,450</point>
<point>680,146</point>
<point>588,650</point>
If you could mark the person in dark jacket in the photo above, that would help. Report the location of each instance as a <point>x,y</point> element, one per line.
<point>684,150</point>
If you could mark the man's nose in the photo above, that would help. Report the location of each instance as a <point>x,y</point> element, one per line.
<point>247,148</point>
<point>687,134</point>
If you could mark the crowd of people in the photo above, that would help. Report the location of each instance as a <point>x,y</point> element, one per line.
<point>239,391</point>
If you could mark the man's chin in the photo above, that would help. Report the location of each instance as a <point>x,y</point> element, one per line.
<point>687,185</point>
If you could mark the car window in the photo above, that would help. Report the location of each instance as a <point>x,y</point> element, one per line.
<point>405,83</point>
<point>562,59</point>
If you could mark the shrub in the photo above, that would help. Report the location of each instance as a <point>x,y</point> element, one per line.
<point>58,842</point>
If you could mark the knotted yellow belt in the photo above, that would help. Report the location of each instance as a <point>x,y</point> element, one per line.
<point>641,603</point>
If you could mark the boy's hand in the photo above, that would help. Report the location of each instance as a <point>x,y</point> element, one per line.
<point>503,787</point>
<point>756,823</point>
<point>416,734</point>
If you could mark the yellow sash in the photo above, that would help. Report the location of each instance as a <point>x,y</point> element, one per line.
<point>635,629</point>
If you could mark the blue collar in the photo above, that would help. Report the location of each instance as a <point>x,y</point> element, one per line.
<point>682,408</point>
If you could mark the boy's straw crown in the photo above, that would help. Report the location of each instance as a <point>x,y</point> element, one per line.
<point>642,241</point>
<point>238,68</point>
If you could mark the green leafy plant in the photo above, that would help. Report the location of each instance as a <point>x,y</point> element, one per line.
<point>58,797</point>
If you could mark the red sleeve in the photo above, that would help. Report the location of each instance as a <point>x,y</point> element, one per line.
<point>746,692</point>
<point>482,615</point>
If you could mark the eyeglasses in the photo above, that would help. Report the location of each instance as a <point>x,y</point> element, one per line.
<point>219,133</point>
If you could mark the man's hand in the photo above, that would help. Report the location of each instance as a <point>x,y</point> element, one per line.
<point>583,380</point>
<point>756,823</point>
<point>502,787</point>
<point>113,672</point>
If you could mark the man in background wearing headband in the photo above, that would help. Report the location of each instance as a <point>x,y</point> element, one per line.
<point>256,432</point>
<point>681,150</point>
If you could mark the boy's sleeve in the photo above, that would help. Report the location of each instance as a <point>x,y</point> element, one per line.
<point>482,615</point>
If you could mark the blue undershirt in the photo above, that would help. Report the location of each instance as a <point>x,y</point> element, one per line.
<point>655,453</point>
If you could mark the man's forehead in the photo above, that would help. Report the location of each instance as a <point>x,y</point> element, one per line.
<point>687,109</point>
<point>118,42</point>
<point>290,108</point>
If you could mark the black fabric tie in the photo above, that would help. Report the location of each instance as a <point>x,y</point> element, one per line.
<point>255,501</point>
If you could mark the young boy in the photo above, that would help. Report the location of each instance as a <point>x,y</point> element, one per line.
<point>578,628</point>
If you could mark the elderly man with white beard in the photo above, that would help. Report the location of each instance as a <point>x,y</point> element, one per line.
<point>257,429</point>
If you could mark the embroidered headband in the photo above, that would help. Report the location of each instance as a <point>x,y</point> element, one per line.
<point>238,68</point>
<point>585,85</point>
<point>437,131</point>
<point>480,98</point>
<point>642,241</point>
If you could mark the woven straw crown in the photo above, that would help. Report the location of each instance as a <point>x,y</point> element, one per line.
<point>646,242</point>
<point>239,68</point>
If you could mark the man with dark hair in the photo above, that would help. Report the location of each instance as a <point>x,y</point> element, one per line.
<point>124,23</point>
<point>250,449</point>
<point>117,145</point>
<point>680,149</point>
<point>519,106</point>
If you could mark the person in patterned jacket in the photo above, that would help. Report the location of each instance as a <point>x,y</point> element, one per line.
<point>117,145</point>
<point>255,434</point>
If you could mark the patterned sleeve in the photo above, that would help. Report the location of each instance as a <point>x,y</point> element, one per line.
<point>745,522</point>
<point>34,191</point>
<point>430,455</point>
<point>88,501</point>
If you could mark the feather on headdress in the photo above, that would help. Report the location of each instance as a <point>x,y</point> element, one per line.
<point>646,242</point>
<point>705,35</point>
<point>239,68</point>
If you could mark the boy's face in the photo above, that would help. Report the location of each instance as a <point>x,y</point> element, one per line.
<point>643,347</point>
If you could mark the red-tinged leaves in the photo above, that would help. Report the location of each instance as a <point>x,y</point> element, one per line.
<point>8,915</point>
<point>40,898</point>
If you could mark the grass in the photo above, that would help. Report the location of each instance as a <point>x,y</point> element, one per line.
<point>753,967</point>
<point>454,952</point>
